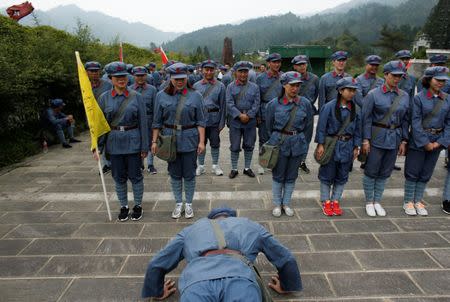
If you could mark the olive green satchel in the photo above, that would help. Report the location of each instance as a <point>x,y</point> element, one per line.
<point>167,144</point>
<point>268,154</point>
<point>330,144</point>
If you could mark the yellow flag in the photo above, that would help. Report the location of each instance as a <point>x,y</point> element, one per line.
<point>96,120</point>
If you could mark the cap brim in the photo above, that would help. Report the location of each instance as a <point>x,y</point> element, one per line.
<point>93,69</point>
<point>300,62</point>
<point>294,81</point>
<point>243,68</point>
<point>209,65</point>
<point>349,86</point>
<point>139,73</point>
<point>441,77</point>
<point>119,74</point>
<point>178,76</point>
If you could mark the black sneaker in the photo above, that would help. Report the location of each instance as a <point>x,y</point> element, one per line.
<point>397,168</point>
<point>446,206</point>
<point>137,213</point>
<point>304,168</point>
<point>106,169</point>
<point>249,172</point>
<point>233,174</point>
<point>74,140</point>
<point>66,146</point>
<point>123,215</point>
<point>152,170</point>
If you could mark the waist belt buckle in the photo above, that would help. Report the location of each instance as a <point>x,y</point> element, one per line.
<point>294,132</point>
<point>122,128</point>
<point>179,127</point>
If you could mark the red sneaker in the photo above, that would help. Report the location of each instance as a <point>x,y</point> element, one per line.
<point>327,208</point>
<point>336,209</point>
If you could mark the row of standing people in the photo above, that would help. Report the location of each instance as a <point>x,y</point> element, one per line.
<point>248,105</point>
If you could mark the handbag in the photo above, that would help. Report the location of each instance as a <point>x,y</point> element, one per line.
<point>167,144</point>
<point>330,144</point>
<point>268,154</point>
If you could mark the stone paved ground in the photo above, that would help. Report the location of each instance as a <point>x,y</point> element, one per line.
<point>57,245</point>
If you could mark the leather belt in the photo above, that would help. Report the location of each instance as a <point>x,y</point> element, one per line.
<point>434,131</point>
<point>344,138</point>
<point>385,126</point>
<point>124,128</point>
<point>182,127</point>
<point>221,252</point>
<point>213,110</point>
<point>295,132</point>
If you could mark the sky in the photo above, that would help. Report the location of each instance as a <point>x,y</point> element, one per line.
<point>187,16</point>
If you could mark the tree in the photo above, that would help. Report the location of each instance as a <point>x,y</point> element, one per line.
<point>227,52</point>
<point>437,26</point>
<point>391,40</point>
<point>206,52</point>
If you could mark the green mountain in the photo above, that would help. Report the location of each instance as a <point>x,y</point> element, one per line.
<point>364,22</point>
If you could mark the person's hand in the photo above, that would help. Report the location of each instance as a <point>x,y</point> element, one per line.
<point>320,150</point>
<point>436,145</point>
<point>275,284</point>
<point>144,154</point>
<point>355,153</point>
<point>244,118</point>
<point>169,289</point>
<point>366,148</point>
<point>154,148</point>
<point>429,147</point>
<point>95,155</point>
<point>201,148</point>
<point>402,149</point>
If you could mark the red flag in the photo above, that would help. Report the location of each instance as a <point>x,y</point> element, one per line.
<point>164,58</point>
<point>120,53</point>
<point>17,12</point>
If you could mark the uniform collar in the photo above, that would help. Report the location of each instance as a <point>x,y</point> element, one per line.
<point>114,93</point>
<point>306,76</point>
<point>369,76</point>
<point>271,74</point>
<point>430,95</point>
<point>99,83</point>
<point>135,86</point>
<point>385,89</point>
<point>285,100</point>
<point>335,74</point>
<point>212,82</point>
<point>348,106</point>
<point>240,84</point>
<point>183,92</point>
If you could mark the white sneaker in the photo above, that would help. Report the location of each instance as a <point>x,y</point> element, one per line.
<point>217,170</point>
<point>420,208</point>
<point>379,209</point>
<point>177,211</point>
<point>276,211</point>
<point>260,170</point>
<point>288,210</point>
<point>188,211</point>
<point>370,210</point>
<point>200,170</point>
<point>409,208</point>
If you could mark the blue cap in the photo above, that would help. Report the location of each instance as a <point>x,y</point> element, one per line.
<point>130,67</point>
<point>346,82</point>
<point>300,59</point>
<point>169,63</point>
<point>373,60</point>
<point>438,59</point>
<point>290,77</point>
<point>223,68</point>
<point>94,66</point>
<point>222,211</point>
<point>139,70</point>
<point>394,67</point>
<point>242,65</point>
<point>209,63</point>
<point>55,103</point>
<point>117,69</point>
<point>177,71</point>
<point>273,57</point>
<point>437,72</point>
<point>339,55</point>
<point>403,54</point>
<point>190,68</point>
<point>152,64</point>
